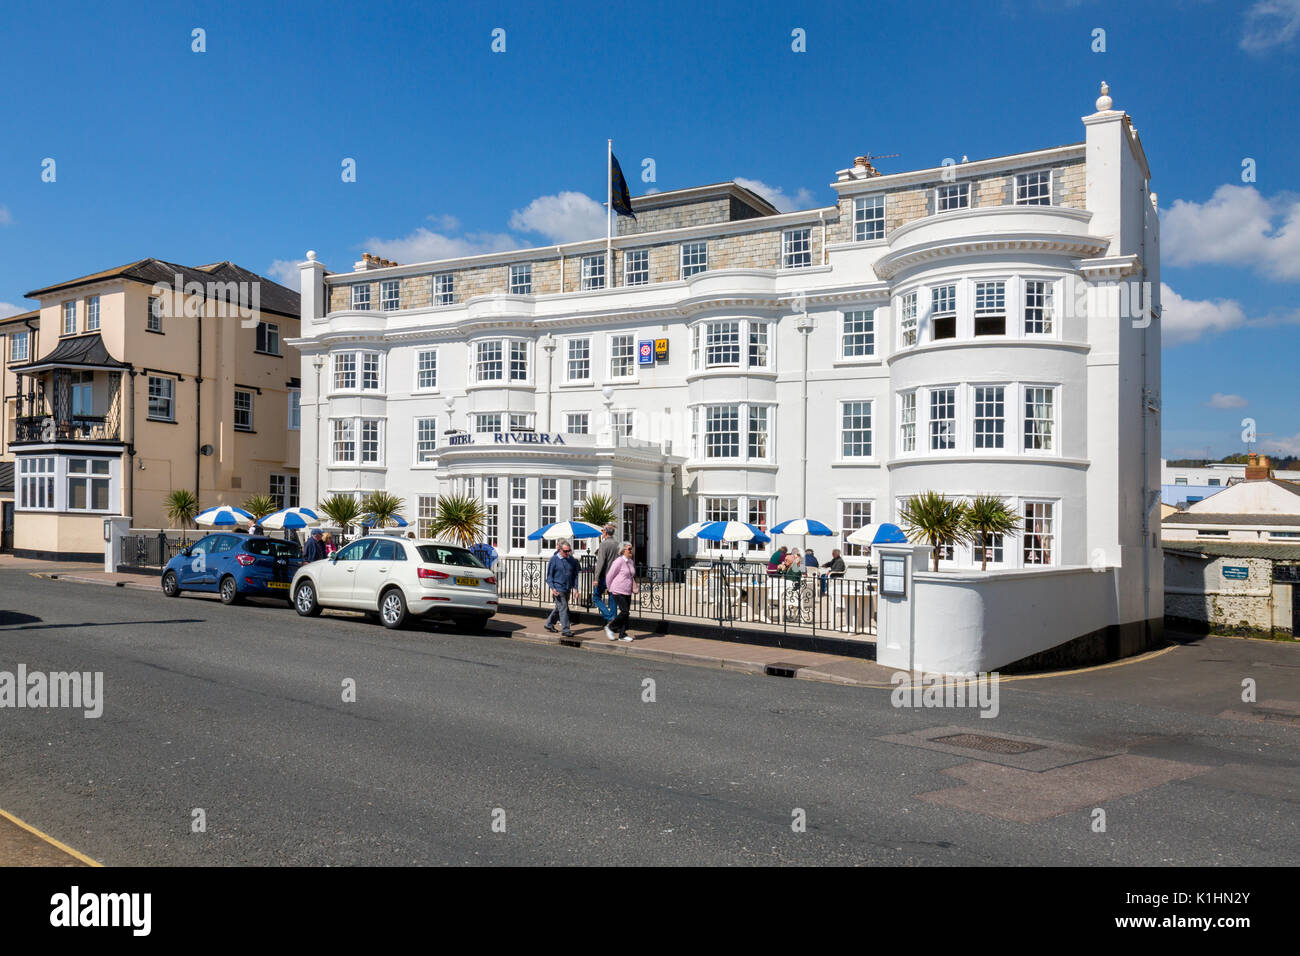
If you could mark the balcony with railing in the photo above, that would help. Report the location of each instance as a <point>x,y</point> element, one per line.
<point>64,405</point>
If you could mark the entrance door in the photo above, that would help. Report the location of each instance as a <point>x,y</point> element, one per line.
<point>6,526</point>
<point>636,528</point>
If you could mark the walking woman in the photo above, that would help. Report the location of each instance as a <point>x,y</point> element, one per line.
<point>620,581</point>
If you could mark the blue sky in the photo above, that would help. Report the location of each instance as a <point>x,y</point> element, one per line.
<point>235,153</point>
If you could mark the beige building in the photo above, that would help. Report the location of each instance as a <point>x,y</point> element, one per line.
<point>13,351</point>
<point>130,383</point>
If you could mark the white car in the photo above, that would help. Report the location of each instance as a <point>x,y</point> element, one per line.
<point>397,578</point>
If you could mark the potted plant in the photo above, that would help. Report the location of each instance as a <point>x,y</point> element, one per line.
<point>988,517</point>
<point>182,505</point>
<point>459,518</point>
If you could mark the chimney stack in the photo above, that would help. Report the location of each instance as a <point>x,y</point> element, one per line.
<point>863,169</point>
<point>1258,467</point>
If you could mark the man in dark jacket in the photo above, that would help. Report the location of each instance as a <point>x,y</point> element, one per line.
<point>562,579</point>
<point>606,552</point>
<point>315,550</point>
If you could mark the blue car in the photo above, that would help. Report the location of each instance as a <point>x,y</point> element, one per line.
<point>235,566</point>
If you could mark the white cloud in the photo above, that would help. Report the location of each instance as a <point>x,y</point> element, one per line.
<point>565,217</point>
<point>1270,23</point>
<point>1186,320</point>
<point>5,216</point>
<point>1237,227</point>
<point>777,196</point>
<point>425,245</point>
<point>8,308</point>
<point>1281,446</point>
<point>1220,400</point>
<point>285,272</point>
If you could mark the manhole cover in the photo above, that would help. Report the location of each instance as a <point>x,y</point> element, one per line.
<point>993,745</point>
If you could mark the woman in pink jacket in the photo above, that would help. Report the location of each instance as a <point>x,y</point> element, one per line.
<point>620,581</point>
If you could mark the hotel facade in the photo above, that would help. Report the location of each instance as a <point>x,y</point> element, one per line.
<point>985,326</point>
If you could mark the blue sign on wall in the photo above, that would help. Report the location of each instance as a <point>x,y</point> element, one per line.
<point>645,352</point>
<point>1236,574</point>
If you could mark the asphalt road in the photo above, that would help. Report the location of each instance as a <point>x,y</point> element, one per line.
<point>239,711</point>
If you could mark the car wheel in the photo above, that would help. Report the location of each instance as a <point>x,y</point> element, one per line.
<point>474,623</point>
<point>170,586</point>
<point>392,608</point>
<point>229,590</point>
<point>304,600</point>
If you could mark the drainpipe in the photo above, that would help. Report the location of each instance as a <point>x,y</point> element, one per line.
<point>548,343</point>
<point>198,416</point>
<point>821,214</point>
<point>318,362</point>
<point>130,445</point>
<point>805,327</point>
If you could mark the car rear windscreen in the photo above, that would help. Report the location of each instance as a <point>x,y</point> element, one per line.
<point>441,554</point>
<point>271,548</point>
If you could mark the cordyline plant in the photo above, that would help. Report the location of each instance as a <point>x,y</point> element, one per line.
<point>182,505</point>
<point>934,519</point>
<point>342,510</point>
<point>988,517</point>
<point>259,506</point>
<point>598,509</point>
<point>459,518</point>
<point>382,508</point>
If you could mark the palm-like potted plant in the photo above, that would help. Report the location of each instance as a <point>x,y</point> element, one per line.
<point>934,519</point>
<point>182,505</point>
<point>259,506</point>
<point>988,517</point>
<point>598,509</point>
<point>382,508</point>
<point>342,510</point>
<point>459,518</point>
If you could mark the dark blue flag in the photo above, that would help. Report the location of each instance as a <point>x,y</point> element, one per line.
<point>620,199</point>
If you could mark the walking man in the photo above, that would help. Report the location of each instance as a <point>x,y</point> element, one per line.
<point>562,579</point>
<point>606,552</point>
<point>622,585</point>
<point>315,550</point>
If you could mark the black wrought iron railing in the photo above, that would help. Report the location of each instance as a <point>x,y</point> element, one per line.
<point>151,550</point>
<point>724,594</point>
<point>38,428</point>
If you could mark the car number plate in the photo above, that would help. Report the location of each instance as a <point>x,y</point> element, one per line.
<point>279,584</point>
<point>468,582</point>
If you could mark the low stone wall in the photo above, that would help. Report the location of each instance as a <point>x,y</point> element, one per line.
<point>1200,596</point>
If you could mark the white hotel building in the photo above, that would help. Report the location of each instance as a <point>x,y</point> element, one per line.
<point>923,331</point>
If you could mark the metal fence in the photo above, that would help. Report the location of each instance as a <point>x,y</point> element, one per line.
<point>151,550</point>
<point>724,594</point>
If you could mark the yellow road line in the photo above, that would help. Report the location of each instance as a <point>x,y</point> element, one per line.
<point>1137,658</point>
<point>50,840</point>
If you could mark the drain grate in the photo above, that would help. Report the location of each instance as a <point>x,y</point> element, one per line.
<point>987,744</point>
<point>780,669</point>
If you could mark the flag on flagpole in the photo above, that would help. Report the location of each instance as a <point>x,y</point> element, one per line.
<point>618,195</point>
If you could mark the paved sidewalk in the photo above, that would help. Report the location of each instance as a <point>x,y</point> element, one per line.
<point>650,645</point>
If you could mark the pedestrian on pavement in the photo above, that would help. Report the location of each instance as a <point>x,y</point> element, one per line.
<point>776,560</point>
<point>562,579</point>
<point>605,555</point>
<point>315,547</point>
<point>621,581</point>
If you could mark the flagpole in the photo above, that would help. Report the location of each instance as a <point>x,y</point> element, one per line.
<point>609,215</point>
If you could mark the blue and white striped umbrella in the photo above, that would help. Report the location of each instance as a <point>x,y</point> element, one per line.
<point>369,521</point>
<point>724,531</point>
<point>222,516</point>
<point>802,526</point>
<point>565,529</point>
<point>290,518</point>
<point>878,532</point>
